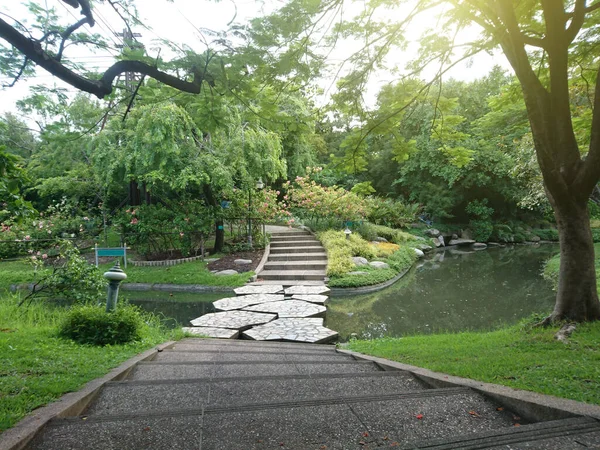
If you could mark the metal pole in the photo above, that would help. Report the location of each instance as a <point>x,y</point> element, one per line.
<point>249,217</point>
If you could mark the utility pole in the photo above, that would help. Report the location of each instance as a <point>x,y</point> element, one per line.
<point>132,79</point>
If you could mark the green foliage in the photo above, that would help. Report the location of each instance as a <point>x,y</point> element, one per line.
<point>341,250</point>
<point>371,231</point>
<point>12,179</point>
<point>370,278</point>
<point>402,259</point>
<point>391,213</point>
<point>90,324</point>
<point>70,276</point>
<point>179,229</point>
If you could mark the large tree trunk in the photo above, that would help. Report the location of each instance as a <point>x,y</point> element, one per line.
<point>577,296</point>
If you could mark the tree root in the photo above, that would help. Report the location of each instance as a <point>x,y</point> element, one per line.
<point>544,323</point>
<point>565,331</point>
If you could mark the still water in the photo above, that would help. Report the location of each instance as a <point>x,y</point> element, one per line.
<point>449,291</point>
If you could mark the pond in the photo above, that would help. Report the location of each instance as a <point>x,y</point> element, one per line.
<point>449,291</point>
<point>452,291</point>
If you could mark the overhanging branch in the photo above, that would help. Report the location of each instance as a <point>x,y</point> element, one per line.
<point>104,86</point>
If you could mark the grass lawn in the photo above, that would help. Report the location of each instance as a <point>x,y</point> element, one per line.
<point>519,356</point>
<point>37,367</point>
<point>195,272</point>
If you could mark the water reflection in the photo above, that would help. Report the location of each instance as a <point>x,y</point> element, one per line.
<point>454,290</point>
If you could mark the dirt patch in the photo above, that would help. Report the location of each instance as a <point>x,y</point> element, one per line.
<point>227,261</point>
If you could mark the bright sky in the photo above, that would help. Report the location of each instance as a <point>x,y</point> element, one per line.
<point>188,22</point>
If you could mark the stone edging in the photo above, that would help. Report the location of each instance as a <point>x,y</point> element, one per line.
<point>335,291</point>
<point>529,405</point>
<point>167,262</point>
<point>194,288</point>
<point>263,261</point>
<point>71,404</point>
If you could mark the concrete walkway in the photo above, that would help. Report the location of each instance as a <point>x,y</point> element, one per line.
<point>209,395</point>
<point>295,258</point>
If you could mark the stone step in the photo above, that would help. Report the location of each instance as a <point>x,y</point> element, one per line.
<point>322,256</point>
<point>287,283</point>
<point>572,433</point>
<point>289,243</point>
<point>290,233</point>
<point>172,371</point>
<point>295,265</point>
<point>292,274</point>
<point>296,237</point>
<point>349,422</point>
<point>217,357</point>
<point>201,345</point>
<point>302,249</point>
<point>138,397</point>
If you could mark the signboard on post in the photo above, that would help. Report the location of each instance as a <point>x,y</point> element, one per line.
<point>112,251</point>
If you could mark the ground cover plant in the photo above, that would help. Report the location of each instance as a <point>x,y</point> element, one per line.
<point>340,266</point>
<point>37,366</point>
<point>520,356</point>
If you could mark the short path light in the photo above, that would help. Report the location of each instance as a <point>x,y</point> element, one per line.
<point>114,276</point>
<point>347,232</point>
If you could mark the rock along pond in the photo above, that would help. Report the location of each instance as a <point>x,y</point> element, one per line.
<point>452,290</point>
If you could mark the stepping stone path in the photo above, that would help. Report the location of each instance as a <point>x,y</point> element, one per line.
<point>289,308</point>
<point>292,329</point>
<point>267,314</point>
<point>233,303</point>
<point>239,320</point>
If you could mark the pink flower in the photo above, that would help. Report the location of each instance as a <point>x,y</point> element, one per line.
<point>27,237</point>
<point>44,256</point>
<point>38,253</point>
<point>133,221</point>
<point>182,234</point>
<point>86,218</point>
<point>33,258</point>
<point>49,231</point>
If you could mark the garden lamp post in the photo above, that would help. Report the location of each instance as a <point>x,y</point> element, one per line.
<point>114,276</point>
<point>259,185</point>
<point>347,232</point>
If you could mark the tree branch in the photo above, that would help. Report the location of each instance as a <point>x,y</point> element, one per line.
<point>577,19</point>
<point>17,76</point>
<point>67,33</point>
<point>104,86</point>
<point>590,170</point>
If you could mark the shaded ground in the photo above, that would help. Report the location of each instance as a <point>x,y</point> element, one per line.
<point>227,261</point>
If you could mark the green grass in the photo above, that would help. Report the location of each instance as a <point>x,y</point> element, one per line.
<point>553,265</point>
<point>195,272</point>
<point>519,356</point>
<point>37,367</point>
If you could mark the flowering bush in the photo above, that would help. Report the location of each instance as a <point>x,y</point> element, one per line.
<point>310,201</point>
<point>59,221</point>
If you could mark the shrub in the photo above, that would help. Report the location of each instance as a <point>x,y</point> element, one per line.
<point>482,229</point>
<point>392,213</point>
<point>402,259</point>
<point>373,276</point>
<point>370,231</point>
<point>547,234</point>
<point>88,324</point>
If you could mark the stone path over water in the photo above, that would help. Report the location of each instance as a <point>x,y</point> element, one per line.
<point>269,313</point>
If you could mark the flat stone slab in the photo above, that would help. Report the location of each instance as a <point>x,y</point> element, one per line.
<point>293,329</point>
<point>262,289</point>
<point>320,299</point>
<point>307,290</point>
<point>237,320</point>
<point>212,332</point>
<point>232,303</point>
<point>289,308</point>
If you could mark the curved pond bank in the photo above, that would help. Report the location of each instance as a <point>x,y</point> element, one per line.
<point>452,291</point>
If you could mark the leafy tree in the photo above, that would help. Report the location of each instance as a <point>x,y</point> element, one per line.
<point>544,42</point>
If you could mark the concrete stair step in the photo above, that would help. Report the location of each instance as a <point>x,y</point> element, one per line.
<point>292,274</point>
<point>572,433</point>
<point>290,233</point>
<point>237,346</point>
<point>288,243</point>
<point>216,356</point>
<point>350,422</point>
<point>138,397</point>
<point>172,370</point>
<point>302,249</point>
<point>287,283</point>
<point>295,265</point>
<point>297,237</point>
<point>322,256</point>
